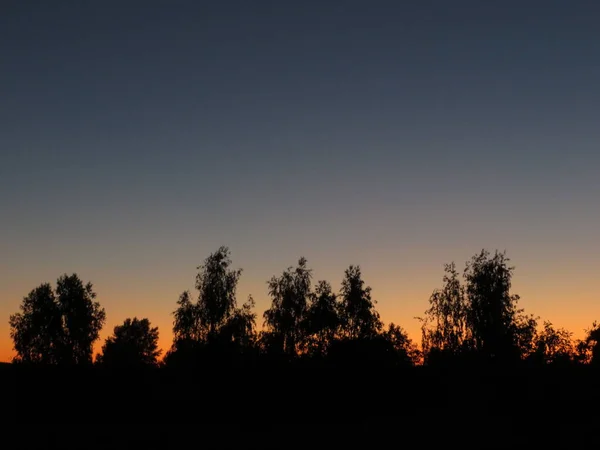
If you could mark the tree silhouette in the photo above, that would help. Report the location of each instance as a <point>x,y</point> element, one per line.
<point>284,319</point>
<point>444,327</point>
<point>593,342</point>
<point>525,333</point>
<point>240,328</point>
<point>58,327</point>
<point>328,349</point>
<point>37,330</point>
<point>186,326</point>
<point>134,343</point>
<point>477,316</point>
<point>358,317</point>
<point>497,327</point>
<point>588,349</point>
<point>83,318</point>
<point>322,319</point>
<point>216,306</point>
<point>405,348</point>
<point>554,345</point>
<point>214,320</point>
<point>216,285</point>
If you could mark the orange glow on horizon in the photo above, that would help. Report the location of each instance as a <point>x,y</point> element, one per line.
<point>401,313</point>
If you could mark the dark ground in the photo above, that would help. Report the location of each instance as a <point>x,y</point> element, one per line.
<point>299,408</point>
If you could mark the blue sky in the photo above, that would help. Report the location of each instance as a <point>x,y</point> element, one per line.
<point>397,135</point>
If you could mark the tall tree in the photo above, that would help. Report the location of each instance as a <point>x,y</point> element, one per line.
<point>134,343</point>
<point>322,318</point>
<point>58,326</point>
<point>240,328</point>
<point>444,327</point>
<point>83,318</point>
<point>405,348</point>
<point>214,319</point>
<point>593,341</point>
<point>588,349</point>
<point>217,285</point>
<point>186,325</point>
<point>284,318</point>
<point>358,316</point>
<point>524,331</point>
<point>492,313</point>
<point>36,331</point>
<point>554,345</point>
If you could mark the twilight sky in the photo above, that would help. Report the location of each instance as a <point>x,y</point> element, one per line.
<point>137,137</point>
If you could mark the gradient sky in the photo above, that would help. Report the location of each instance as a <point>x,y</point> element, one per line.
<point>137,137</point>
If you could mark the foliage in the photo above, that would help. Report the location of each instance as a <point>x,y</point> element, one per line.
<point>216,284</point>
<point>524,334</point>
<point>186,326</point>
<point>284,319</point>
<point>358,316</point>
<point>36,331</point>
<point>82,318</point>
<point>134,343</point>
<point>554,345</point>
<point>588,349</point>
<point>444,327</point>
<point>475,318</point>
<point>405,348</point>
<point>322,319</point>
<point>240,328</point>
<point>57,327</point>
<point>492,315</point>
<point>214,318</point>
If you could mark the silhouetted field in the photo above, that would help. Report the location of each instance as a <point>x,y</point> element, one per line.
<point>497,408</point>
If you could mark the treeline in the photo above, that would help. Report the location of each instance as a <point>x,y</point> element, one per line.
<point>473,319</point>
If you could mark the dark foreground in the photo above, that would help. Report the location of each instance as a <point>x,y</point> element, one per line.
<point>301,408</point>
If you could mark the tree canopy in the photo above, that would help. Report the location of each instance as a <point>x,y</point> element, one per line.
<point>134,343</point>
<point>290,296</point>
<point>474,316</point>
<point>58,326</point>
<point>214,320</point>
<point>358,316</point>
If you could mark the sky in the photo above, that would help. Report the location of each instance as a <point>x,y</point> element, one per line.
<point>138,137</point>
